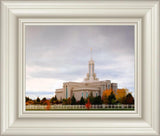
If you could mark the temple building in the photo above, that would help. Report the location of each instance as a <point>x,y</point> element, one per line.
<point>83,89</point>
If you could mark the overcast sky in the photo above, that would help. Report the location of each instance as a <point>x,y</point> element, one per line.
<point>56,54</point>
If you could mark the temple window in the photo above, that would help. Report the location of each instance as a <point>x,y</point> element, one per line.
<point>66,92</point>
<point>86,94</point>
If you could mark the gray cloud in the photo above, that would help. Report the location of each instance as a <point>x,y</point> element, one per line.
<point>66,49</point>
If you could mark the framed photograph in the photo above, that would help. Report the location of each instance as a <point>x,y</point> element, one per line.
<point>80,68</point>
<point>61,70</point>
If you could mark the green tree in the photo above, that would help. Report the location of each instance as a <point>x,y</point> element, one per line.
<point>66,101</point>
<point>97,100</point>
<point>52,100</point>
<point>38,100</point>
<point>111,98</point>
<point>122,100</point>
<point>55,98</point>
<point>27,99</point>
<point>73,100</point>
<point>44,99</point>
<point>82,102</point>
<point>91,98</point>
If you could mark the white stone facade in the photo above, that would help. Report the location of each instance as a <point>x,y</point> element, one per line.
<point>90,84</point>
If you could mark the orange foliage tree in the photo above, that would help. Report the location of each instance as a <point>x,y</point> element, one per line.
<point>120,93</point>
<point>48,104</point>
<point>29,102</point>
<point>88,104</point>
<point>105,95</point>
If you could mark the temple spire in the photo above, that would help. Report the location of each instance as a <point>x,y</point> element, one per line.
<point>91,53</point>
<point>91,76</point>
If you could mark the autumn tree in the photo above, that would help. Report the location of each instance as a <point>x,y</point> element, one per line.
<point>69,101</point>
<point>47,102</point>
<point>88,104</point>
<point>120,93</point>
<point>129,99</point>
<point>29,101</point>
<point>107,92</point>
<point>105,95</point>
<point>105,99</point>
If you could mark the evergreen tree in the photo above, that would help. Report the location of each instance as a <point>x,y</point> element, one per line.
<point>27,99</point>
<point>82,102</point>
<point>38,100</point>
<point>44,99</point>
<point>52,100</point>
<point>73,100</point>
<point>97,100</point>
<point>91,98</point>
<point>111,98</point>
<point>55,98</point>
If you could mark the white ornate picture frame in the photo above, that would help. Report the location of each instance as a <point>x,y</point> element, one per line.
<point>144,120</point>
